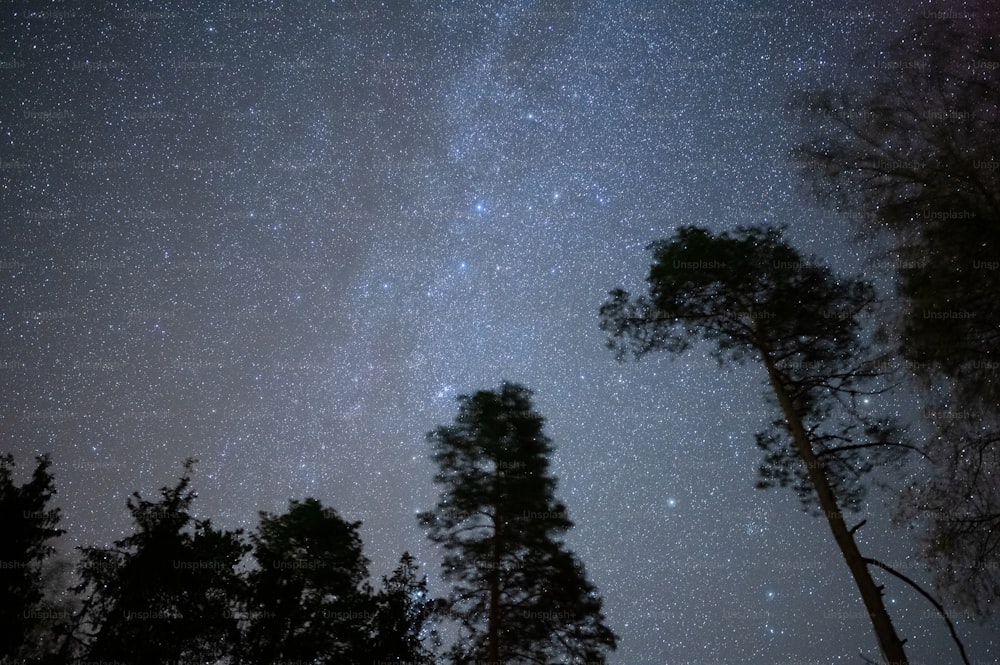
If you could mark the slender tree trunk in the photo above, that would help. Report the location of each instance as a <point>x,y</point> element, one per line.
<point>493,634</point>
<point>871,594</point>
<point>493,628</point>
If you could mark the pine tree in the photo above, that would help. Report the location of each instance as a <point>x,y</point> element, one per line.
<point>309,599</point>
<point>403,613</point>
<point>518,593</point>
<point>750,296</point>
<point>29,524</point>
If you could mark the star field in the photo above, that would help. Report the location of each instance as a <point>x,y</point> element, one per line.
<point>283,237</point>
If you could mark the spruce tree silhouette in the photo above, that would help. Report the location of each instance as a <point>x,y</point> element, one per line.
<point>30,523</point>
<point>520,596</point>
<point>309,599</point>
<point>404,613</point>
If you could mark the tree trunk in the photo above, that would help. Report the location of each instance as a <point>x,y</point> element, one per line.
<point>493,631</point>
<point>871,594</point>
<point>493,621</point>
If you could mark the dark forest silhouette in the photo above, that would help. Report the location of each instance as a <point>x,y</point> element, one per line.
<point>297,589</point>
<point>180,590</point>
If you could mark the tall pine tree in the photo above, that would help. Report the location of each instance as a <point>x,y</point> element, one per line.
<point>519,594</point>
<point>753,297</point>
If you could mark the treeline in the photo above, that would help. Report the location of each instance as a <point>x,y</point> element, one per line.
<point>178,589</point>
<point>297,589</point>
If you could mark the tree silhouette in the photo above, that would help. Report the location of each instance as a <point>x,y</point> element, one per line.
<point>751,296</point>
<point>518,594</point>
<point>308,599</point>
<point>914,155</point>
<point>48,642</point>
<point>403,610</point>
<point>173,591</point>
<point>166,593</point>
<point>30,523</point>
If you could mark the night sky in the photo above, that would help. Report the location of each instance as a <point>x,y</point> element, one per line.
<point>283,237</point>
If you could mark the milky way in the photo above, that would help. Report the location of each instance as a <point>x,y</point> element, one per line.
<point>283,237</point>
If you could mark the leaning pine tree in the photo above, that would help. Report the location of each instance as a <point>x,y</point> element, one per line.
<point>751,296</point>
<point>518,593</point>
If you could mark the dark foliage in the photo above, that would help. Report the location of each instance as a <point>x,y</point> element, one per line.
<point>178,590</point>
<point>746,293</point>
<point>166,593</point>
<point>308,599</point>
<point>402,631</point>
<point>519,595</point>
<point>914,156</point>
<point>30,524</point>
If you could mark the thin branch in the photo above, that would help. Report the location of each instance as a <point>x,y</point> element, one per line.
<point>876,444</point>
<point>951,627</point>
